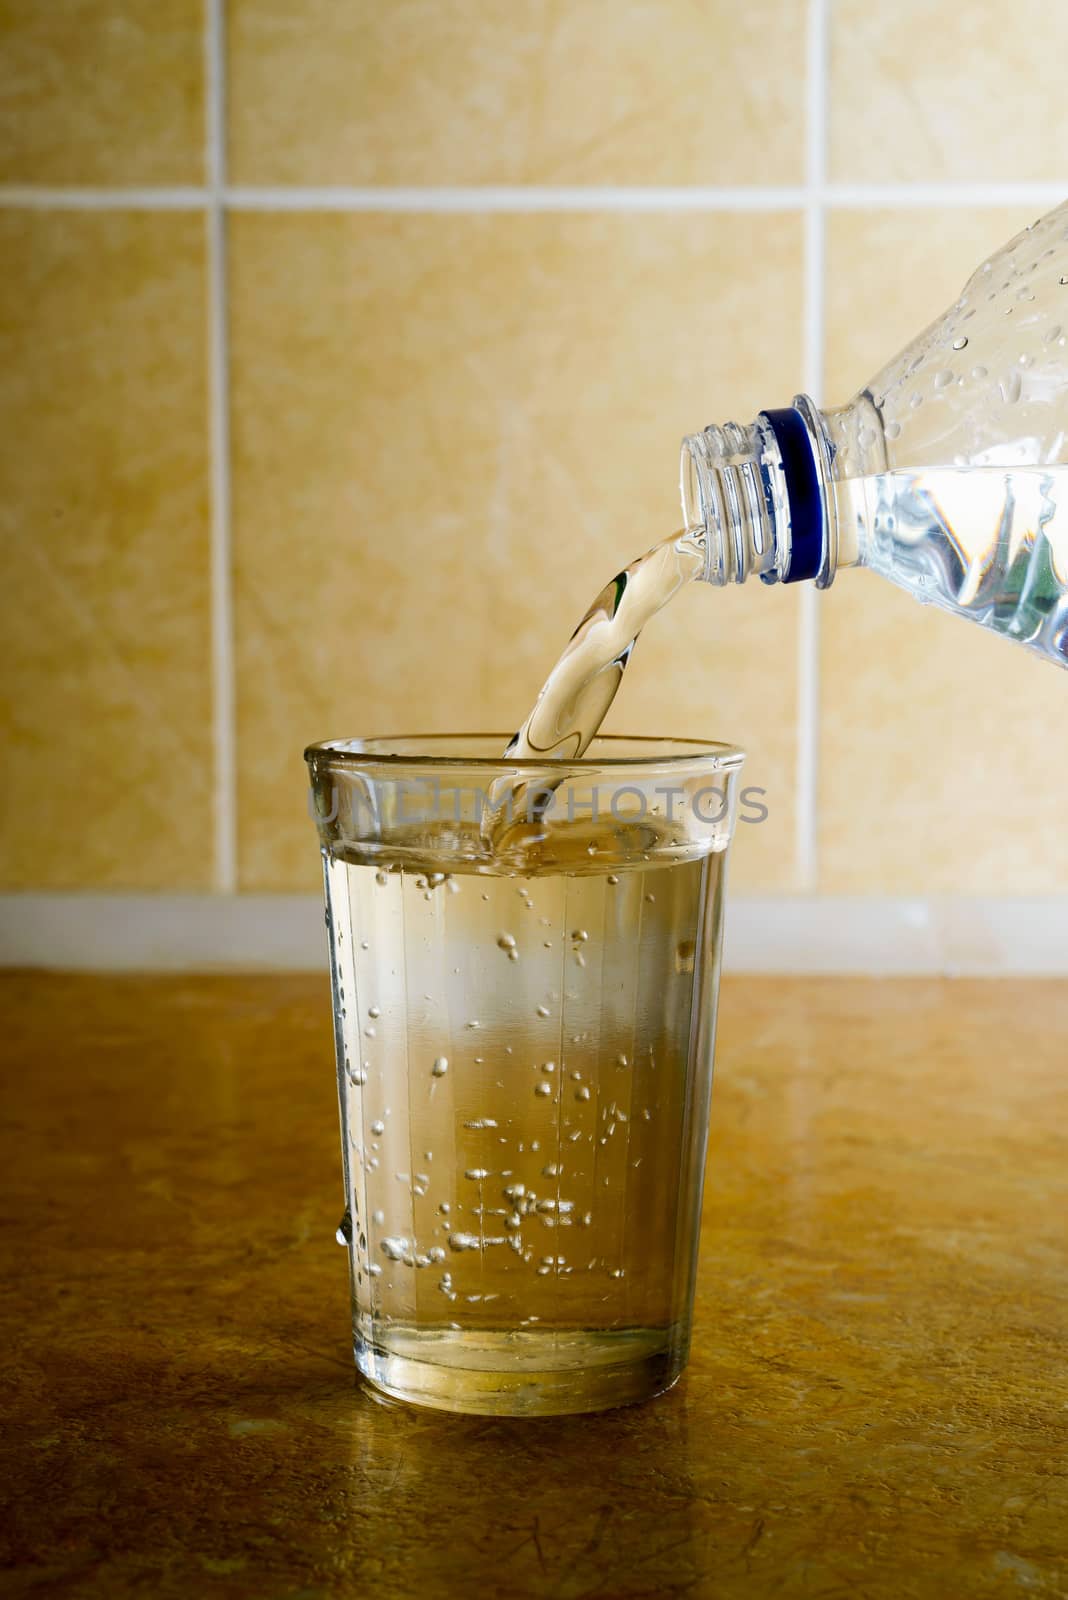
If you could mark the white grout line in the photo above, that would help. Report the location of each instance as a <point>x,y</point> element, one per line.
<point>14,197</point>
<point>518,199</point>
<point>812,934</point>
<point>813,320</point>
<point>956,196</point>
<point>222,609</point>
<point>835,196</point>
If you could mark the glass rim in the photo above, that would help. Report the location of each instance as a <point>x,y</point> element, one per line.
<point>663,751</point>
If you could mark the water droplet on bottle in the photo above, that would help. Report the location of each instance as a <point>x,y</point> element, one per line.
<point>357,1076</point>
<point>440,1067</point>
<point>548,1066</point>
<point>505,941</point>
<point>1011,388</point>
<point>543,1011</point>
<point>612,878</point>
<point>369,1032</point>
<point>374,1012</point>
<point>378,1217</point>
<point>365,944</point>
<point>378,1128</point>
<point>344,1228</point>
<point>543,1088</point>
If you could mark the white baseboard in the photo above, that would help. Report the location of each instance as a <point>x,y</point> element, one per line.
<point>765,934</point>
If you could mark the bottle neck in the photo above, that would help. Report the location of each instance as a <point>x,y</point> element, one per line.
<point>762,497</point>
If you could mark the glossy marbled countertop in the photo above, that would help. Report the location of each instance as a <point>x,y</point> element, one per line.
<point>877,1402</point>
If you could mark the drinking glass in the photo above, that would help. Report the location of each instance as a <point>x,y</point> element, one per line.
<point>525,963</point>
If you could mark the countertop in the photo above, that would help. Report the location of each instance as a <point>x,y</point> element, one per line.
<point>876,1404</point>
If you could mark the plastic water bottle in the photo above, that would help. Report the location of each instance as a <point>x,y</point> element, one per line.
<point>947,473</point>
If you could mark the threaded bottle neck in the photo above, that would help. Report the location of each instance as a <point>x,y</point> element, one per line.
<point>756,492</point>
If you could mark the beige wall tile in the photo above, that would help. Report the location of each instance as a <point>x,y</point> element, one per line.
<point>515,91</point>
<point>941,765</point>
<point>448,432</point>
<point>101,91</point>
<point>104,606</point>
<point>922,91</point>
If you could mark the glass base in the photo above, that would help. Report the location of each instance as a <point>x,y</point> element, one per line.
<point>540,1373</point>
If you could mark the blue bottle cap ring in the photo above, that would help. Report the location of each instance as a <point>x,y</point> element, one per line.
<point>803,496</point>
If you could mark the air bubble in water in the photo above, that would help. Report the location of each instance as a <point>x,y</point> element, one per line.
<point>583,1093</point>
<point>463,1241</point>
<point>381,878</point>
<point>378,1127</point>
<point>477,1174</point>
<point>440,1067</point>
<point>543,1088</point>
<point>961,343</point>
<point>943,379</point>
<point>685,951</point>
<point>548,1066</point>
<point>505,941</point>
<point>374,1012</point>
<point>344,1228</point>
<point>378,1217</point>
<point>395,1247</point>
<point>543,1011</point>
<point>476,1123</point>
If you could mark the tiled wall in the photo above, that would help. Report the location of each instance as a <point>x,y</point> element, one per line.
<point>345,349</point>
